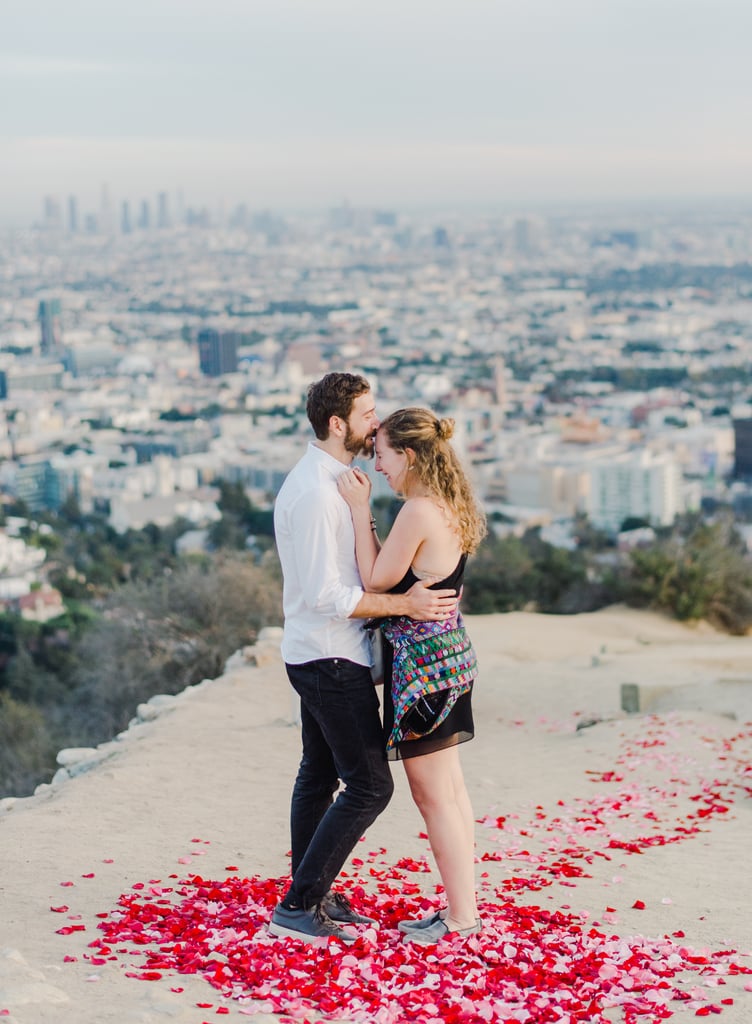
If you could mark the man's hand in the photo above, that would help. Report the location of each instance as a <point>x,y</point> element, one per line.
<point>426,604</point>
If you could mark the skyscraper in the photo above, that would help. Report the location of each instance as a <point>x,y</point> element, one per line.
<point>217,351</point>
<point>106,212</point>
<point>163,211</point>
<point>743,449</point>
<point>52,214</point>
<point>527,236</point>
<point>125,218</point>
<point>72,215</point>
<point>144,217</point>
<point>49,322</point>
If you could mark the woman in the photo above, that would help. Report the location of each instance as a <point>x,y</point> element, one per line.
<point>435,530</point>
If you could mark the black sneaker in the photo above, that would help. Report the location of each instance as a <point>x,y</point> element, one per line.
<point>337,908</point>
<point>306,925</point>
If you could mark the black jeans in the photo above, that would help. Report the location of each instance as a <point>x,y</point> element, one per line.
<point>342,739</point>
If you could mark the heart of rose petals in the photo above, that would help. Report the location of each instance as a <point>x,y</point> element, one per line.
<point>550,964</point>
<point>528,964</point>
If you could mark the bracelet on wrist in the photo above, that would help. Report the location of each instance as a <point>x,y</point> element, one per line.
<point>373,523</point>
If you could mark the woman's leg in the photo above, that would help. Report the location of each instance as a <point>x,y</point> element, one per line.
<point>438,788</point>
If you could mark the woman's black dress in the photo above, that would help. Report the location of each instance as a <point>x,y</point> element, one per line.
<point>458,726</point>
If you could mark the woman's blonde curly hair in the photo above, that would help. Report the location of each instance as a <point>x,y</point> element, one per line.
<point>437,467</point>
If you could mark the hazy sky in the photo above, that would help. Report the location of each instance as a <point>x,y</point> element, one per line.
<point>311,102</point>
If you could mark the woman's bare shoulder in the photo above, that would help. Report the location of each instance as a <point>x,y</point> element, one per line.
<point>423,505</point>
<point>428,510</point>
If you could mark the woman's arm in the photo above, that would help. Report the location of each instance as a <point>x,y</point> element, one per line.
<point>355,488</point>
<point>381,566</point>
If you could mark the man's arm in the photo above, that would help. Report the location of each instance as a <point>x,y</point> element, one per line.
<point>314,529</point>
<point>418,603</point>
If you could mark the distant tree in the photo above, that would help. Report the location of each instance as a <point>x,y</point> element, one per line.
<point>70,510</point>
<point>633,523</point>
<point>233,498</point>
<point>162,635</point>
<point>27,747</point>
<point>557,571</point>
<point>18,507</point>
<point>240,517</point>
<point>228,532</point>
<point>27,681</point>
<point>499,577</point>
<point>513,573</point>
<point>138,621</point>
<point>705,575</point>
<point>589,537</point>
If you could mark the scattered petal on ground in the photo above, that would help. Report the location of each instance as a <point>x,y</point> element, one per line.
<point>529,965</point>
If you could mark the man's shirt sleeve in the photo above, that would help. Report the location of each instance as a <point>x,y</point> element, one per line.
<point>316,541</point>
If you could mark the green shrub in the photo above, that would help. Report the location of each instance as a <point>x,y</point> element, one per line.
<point>706,574</point>
<point>27,749</point>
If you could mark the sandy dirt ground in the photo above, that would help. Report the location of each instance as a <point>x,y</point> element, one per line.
<point>637,824</point>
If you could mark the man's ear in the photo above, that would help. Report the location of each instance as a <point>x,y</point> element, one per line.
<point>337,426</point>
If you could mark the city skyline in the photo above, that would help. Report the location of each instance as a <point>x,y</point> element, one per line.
<point>283,105</point>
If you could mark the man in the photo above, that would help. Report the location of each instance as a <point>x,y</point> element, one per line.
<point>327,658</point>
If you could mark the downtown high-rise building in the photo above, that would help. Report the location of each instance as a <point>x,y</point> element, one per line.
<point>52,219</point>
<point>49,316</point>
<point>126,225</point>
<point>163,211</point>
<point>72,215</point>
<point>217,351</point>
<point>743,448</point>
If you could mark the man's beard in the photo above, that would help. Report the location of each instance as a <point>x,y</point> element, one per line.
<point>356,446</point>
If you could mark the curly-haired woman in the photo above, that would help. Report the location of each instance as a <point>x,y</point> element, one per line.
<point>438,526</point>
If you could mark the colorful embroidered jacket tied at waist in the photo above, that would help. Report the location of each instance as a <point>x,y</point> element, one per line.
<point>429,658</point>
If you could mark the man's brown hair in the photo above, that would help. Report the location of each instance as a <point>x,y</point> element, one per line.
<point>333,395</point>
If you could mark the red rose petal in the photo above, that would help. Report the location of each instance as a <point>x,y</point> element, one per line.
<point>528,964</point>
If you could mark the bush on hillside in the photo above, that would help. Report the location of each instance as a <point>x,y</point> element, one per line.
<point>27,748</point>
<point>153,636</point>
<point>512,573</point>
<point>705,574</point>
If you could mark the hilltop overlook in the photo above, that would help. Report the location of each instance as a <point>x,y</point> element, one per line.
<point>200,785</point>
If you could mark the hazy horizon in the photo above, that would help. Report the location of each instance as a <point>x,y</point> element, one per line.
<point>279,104</point>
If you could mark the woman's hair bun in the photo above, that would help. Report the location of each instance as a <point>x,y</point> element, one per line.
<point>445,428</point>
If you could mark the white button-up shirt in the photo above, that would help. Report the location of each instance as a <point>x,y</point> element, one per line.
<point>316,545</point>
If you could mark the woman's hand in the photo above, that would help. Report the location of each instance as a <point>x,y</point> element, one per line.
<point>355,488</point>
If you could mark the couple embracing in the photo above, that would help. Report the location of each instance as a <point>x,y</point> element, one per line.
<point>337,574</point>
